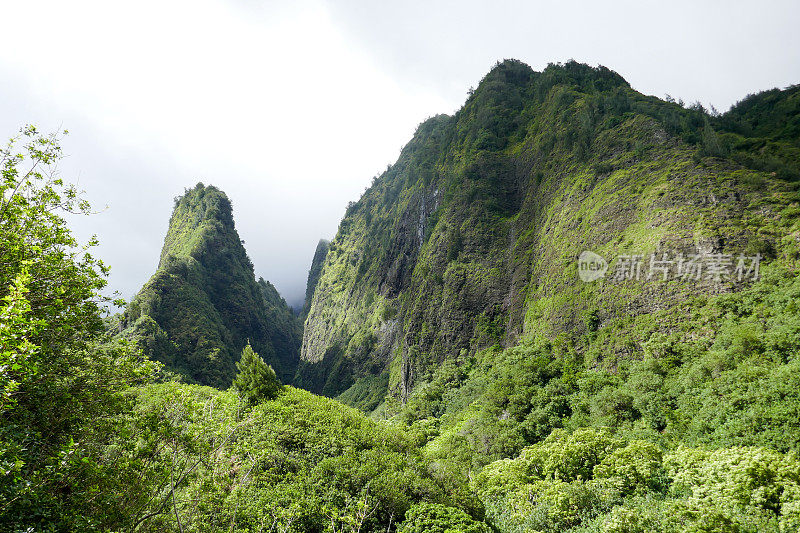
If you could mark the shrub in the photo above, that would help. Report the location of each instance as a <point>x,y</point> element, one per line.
<point>568,456</point>
<point>256,380</point>
<point>737,477</point>
<point>437,518</point>
<point>636,468</point>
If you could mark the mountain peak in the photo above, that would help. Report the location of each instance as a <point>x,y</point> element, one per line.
<point>199,214</point>
<point>203,304</point>
<point>510,71</point>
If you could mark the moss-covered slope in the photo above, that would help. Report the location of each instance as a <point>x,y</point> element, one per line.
<point>203,303</point>
<point>313,274</point>
<point>471,238</point>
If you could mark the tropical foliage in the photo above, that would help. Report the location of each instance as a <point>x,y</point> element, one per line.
<point>256,380</point>
<point>489,389</point>
<point>64,383</point>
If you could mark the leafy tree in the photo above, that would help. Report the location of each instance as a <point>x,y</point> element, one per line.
<point>437,518</point>
<point>256,380</point>
<point>63,384</point>
<point>17,352</point>
<point>635,468</point>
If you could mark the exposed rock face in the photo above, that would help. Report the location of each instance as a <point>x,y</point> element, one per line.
<point>471,238</point>
<point>203,304</point>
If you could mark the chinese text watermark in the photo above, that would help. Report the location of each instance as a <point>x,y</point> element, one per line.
<point>670,265</point>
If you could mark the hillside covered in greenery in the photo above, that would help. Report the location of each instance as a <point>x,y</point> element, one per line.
<point>469,240</point>
<point>203,304</point>
<point>450,300</point>
<point>466,368</point>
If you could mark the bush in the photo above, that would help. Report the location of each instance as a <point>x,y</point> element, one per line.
<point>437,518</point>
<point>568,456</point>
<point>256,381</point>
<point>636,468</point>
<point>740,477</point>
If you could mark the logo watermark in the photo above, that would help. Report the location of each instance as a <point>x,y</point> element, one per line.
<point>591,266</point>
<point>669,265</point>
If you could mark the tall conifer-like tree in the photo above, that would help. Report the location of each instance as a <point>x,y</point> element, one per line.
<point>255,381</point>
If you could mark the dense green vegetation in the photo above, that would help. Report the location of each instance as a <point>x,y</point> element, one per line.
<point>449,301</point>
<point>203,304</point>
<point>64,465</point>
<point>468,239</point>
<point>591,481</point>
<point>489,389</point>
<point>724,384</point>
<point>296,463</point>
<point>763,132</point>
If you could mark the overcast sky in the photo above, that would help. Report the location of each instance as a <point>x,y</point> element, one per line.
<point>292,107</point>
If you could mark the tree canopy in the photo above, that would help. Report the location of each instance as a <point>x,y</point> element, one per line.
<point>256,380</point>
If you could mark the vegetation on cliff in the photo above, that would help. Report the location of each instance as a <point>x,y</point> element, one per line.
<point>203,304</point>
<point>313,274</point>
<point>450,304</point>
<point>490,388</point>
<point>471,238</point>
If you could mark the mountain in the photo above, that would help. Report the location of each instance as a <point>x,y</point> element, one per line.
<point>762,131</point>
<point>203,304</point>
<point>470,242</point>
<point>313,274</point>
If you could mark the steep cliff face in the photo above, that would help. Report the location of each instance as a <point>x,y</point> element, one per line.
<point>203,303</point>
<point>313,274</point>
<point>472,238</point>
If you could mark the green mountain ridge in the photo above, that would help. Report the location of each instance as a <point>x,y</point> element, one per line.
<point>314,272</point>
<point>203,304</point>
<point>471,238</point>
